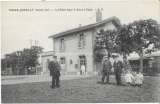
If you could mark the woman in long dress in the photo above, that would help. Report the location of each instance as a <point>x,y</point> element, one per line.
<point>128,77</point>
<point>138,79</point>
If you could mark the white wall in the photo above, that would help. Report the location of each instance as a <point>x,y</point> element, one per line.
<point>72,50</point>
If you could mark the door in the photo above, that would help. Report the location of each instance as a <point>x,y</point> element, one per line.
<point>82,61</point>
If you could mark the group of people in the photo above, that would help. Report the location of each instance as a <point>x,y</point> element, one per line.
<point>130,77</point>
<point>133,78</point>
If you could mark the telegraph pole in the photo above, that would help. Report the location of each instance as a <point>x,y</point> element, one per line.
<point>30,42</point>
<point>33,42</point>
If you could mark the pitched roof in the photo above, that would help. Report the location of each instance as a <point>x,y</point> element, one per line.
<point>113,19</point>
<point>48,53</point>
<point>154,54</point>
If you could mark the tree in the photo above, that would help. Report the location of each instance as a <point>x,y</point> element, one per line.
<point>100,46</point>
<point>30,57</point>
<point>139,36</point>
<point>105,44</point>
<point>20,60</point>
<point>110,41</point>
<point>123,41</point>
<point>12,61</point>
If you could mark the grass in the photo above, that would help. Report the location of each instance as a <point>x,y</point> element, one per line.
<point>82,91</point>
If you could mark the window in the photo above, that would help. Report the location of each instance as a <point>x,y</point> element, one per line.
<point>83,60</point>
<point>81,41</point>
<point>71,62</point>
<point>47,64</point>
<point>150,64</point>
<point>62,60</point>
<point>62,45</point>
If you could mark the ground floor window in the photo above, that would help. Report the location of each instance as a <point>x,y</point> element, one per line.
<point>63,63</point>
<point>62,60</point>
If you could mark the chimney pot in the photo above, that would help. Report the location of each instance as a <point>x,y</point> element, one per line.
<point>98,15</point>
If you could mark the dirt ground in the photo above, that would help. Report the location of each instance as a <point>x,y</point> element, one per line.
<point>86,90</point>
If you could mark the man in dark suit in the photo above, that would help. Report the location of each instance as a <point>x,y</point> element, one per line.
<point>118,65</point>
<point>106,69</point>
<point>54,68</point>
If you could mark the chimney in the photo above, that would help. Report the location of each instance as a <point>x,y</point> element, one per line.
<point>98,15</point>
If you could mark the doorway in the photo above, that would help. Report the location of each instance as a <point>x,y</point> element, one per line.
<point>82,64</point>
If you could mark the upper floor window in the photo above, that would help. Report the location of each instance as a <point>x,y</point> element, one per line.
<point>62,45</point>
<point>81,43</point>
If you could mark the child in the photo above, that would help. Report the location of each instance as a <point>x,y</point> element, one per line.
<point>128,77</point>
<point>139,79</point>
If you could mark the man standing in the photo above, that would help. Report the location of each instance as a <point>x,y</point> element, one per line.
<point>83,69</point>
<point>54,68</point>
<point>118,65</point>
<point>106,68</point>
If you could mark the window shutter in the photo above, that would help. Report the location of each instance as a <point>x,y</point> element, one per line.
<point>84,40</point>
<point>78,64</point>
<point>60,44</point>
<point>79,41</point>
<point>64,45</point>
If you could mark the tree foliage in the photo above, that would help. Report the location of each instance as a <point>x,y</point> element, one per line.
<point>30,56</point>
<point>139,36</point>
<point>123,40</point>
<point>20,60</point>
<point>144,33</point>
<point>99,46</point>
<point>105,41</point>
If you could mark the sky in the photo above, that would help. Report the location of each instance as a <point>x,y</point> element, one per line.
<point>39,20</point>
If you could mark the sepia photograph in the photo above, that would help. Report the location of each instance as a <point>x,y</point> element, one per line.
<point>80,51</point>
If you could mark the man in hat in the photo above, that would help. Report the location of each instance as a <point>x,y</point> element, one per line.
<point>54,68</point>
<point>117,65</point>
<point>106,68</point>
